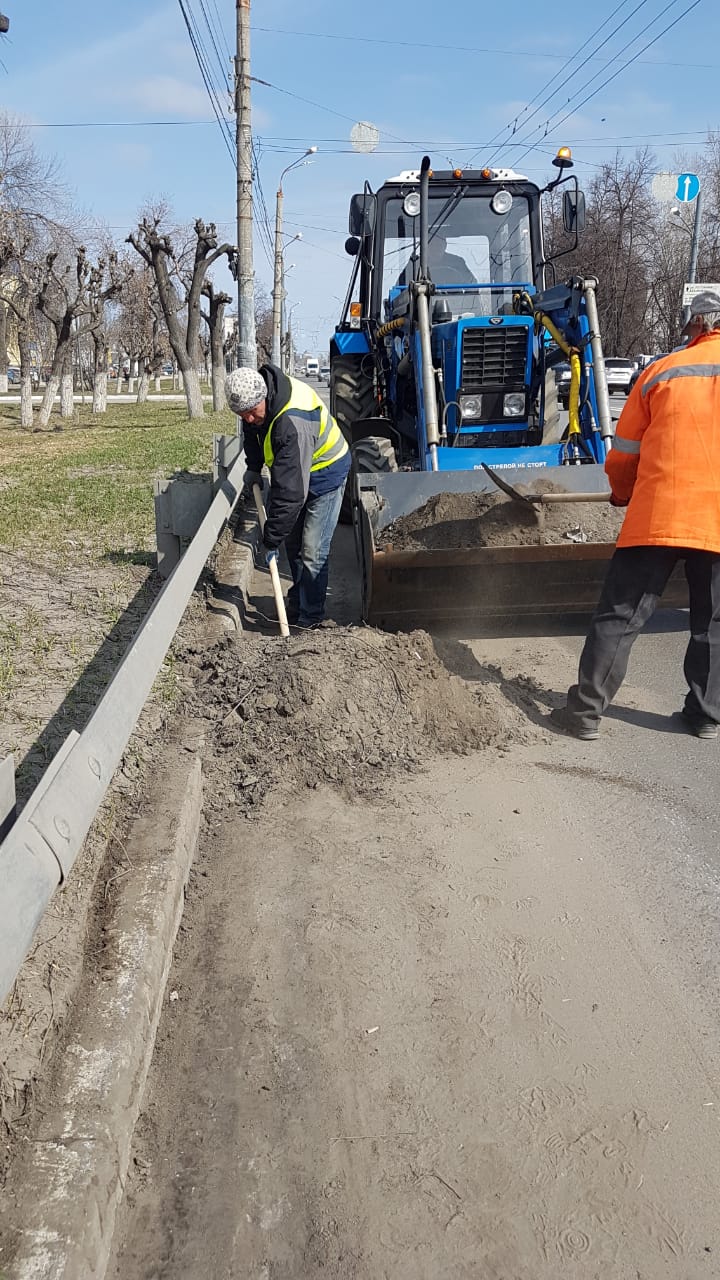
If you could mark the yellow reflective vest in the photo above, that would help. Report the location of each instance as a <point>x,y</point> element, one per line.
<point>306,405</point>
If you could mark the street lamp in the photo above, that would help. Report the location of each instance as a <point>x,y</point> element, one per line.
<point>278,273</point>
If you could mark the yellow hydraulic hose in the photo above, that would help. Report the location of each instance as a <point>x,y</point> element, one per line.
<point>391,325</point>
<point>525,301</point>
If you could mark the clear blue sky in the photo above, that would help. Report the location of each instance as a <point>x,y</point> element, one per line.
<point>130,64</point>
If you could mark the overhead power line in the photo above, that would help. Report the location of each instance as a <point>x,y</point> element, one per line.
<point>511,128</point>
<point>577,105</point>
<point>460,48</point>
<point>201,57</point>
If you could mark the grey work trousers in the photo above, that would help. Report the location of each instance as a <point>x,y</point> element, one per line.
<point>635,581</point>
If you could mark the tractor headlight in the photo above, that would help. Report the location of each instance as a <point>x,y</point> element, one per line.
<point>501,202</point>
<point>470,406</point>
<point>514,404</point>
<point>411,204</point>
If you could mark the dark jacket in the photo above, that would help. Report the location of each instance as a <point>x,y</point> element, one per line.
<point>294,441</point>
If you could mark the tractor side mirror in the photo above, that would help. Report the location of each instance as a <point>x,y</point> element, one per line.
<point>352,246</point>
<point>363,208</point>
<point>573,208</point>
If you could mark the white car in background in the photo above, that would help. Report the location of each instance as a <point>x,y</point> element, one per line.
<point>619,375</point>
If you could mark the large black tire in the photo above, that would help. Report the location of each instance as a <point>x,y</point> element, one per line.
<point>352,393</point>
<point>373,453</point>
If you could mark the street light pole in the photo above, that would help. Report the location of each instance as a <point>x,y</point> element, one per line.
<point>277,278</point>
<point>289,338</point>
<point>278,264</point>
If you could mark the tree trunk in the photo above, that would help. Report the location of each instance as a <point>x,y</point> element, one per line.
<point>143,387</point>
<point>158,385</point>
<point>48,400</point>
<point>218,388</point>
<point>67,404</point>
<point>217,357</point>
<point>131,385</point>
<point>100,371</point>
<point>193,394</point>
<point>26,406</point>
<point>3,348</point>
<point>100,388</point>
<point>26,409</point>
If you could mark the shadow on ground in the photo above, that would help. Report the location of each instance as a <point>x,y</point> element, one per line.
<point>82,699</point>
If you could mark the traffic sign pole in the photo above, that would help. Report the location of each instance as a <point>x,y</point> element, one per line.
<point>692,269</point>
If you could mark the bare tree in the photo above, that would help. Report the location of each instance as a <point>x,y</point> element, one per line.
<point>63,296</point>
<point>141,328</point>
<point>215,319</point>
<point>106,282</point>
<point>263,325</point>
<point>31,199</point>
<point>178,293</point>
<point>617,247</point>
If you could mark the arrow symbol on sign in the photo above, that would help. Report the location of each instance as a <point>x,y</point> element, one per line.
<point>687,187</point>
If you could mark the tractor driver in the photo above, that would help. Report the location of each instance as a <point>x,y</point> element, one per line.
<point>444,267</point>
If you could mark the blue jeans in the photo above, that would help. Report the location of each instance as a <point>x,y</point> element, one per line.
<point>308,550</point>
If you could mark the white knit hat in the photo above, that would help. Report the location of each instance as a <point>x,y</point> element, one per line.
<point>244,389</point>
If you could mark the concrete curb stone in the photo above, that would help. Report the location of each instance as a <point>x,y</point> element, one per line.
<point>73,1173</point>
<point>236,561</point>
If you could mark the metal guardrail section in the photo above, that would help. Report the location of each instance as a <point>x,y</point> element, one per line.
<point>43,843</point>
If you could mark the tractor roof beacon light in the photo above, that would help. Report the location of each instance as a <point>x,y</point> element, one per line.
<point>563,159</point>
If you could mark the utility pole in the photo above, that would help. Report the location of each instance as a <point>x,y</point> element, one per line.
<point>247,343</point>
<point>278,282</point>
<point>278,295</point>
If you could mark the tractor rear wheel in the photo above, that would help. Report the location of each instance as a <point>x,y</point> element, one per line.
<point>352,391</point>
<point>373,453</point>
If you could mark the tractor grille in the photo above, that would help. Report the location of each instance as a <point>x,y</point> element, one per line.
<point>494,357</point>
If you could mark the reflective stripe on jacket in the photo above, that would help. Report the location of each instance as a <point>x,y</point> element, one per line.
<point>665,457</point>
<point>306,406</point>
<point>303,447</point>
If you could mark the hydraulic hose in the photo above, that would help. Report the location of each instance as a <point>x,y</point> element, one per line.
<point>390,327</point>
<point>523,302</point>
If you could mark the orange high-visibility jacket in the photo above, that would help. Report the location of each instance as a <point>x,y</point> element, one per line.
<point>666,454</point>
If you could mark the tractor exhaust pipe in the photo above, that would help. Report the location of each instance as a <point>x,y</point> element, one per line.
<point>422,305</point>
<point>424,207</point>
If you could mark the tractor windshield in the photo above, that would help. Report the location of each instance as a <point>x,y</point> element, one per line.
<point>470,244</point>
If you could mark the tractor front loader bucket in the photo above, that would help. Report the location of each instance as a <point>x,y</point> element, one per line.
<point>479,586</point>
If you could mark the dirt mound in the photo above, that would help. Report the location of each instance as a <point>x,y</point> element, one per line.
<point>459,520</point>
<point>344,706</point>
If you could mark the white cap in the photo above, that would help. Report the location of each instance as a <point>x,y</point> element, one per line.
<point>245,388</point>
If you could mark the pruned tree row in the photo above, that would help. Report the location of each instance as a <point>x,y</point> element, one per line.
<point>79,312</point>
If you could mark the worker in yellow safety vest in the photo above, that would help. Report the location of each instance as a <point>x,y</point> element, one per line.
<point>288,429</point>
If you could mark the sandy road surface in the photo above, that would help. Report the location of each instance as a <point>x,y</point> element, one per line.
<point>437,1039</point>
<point>466,1029</point>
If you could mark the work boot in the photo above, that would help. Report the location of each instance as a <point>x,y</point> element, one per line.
<point>699,725</point>
<point>577,726</point>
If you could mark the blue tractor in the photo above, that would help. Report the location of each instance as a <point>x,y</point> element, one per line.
<point>442,378</point>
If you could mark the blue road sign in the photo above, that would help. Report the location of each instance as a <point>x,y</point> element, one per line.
<point>688,187</point>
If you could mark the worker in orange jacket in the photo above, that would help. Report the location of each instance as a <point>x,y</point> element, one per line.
<point>664,466</point>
